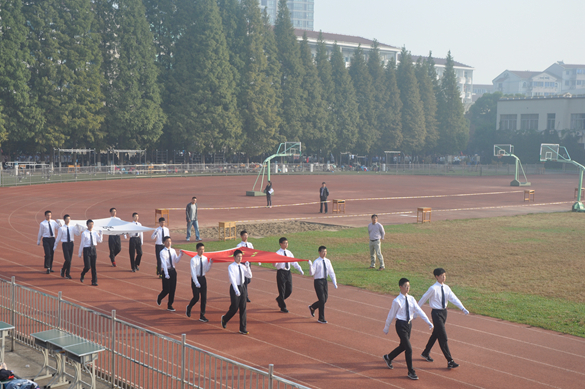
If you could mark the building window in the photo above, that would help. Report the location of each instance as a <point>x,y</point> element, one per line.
<point>550,121</point>
<point>538,83</point>
<point>580,71</point>
<point>566,83</point>
<point>508,122</point>
<point>578,121</point>
<point>529,121</point>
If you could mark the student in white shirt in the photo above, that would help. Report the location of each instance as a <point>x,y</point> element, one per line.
<point>439,295</point>
<point>245,243</point>
<point>158,236</point>
<point>89,240</point>
<point>168,261</point>
<point>66,236</point>
<point>135,245</point>
<point>404,309</point>
<point>47,234</point>
<point>200,265</point>
<point>284,275</point>
<point>237,271</point>
<point>320,270</point>
<point>114,241</point>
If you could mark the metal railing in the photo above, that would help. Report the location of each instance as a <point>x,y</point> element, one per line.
<point>134,357</point>
<point>44,174</point>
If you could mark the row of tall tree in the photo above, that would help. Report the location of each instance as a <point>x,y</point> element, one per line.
<point>208,76</point>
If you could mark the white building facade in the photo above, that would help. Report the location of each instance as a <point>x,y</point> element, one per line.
<point>572,77</point>
<point>301,12</point>
<point>531,84</point>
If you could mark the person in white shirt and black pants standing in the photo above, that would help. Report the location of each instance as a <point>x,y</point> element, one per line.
<point>47,234</point>
<point>237,271</point>
<point>245,243</point>
<point>158,236</point>
<point>320,270</point>
<point>135,246</point>
<point>404,309</point>
<point>377,233</point>
<point>168,261</point>
<point>439,295</point>
<point>66,236</point>
<point>114,242</point>
<point>89,239</point>
<point>200,265</point>
<point>283,275</point>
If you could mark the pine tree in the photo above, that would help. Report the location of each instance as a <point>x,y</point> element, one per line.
<point>427,97</point>
<point>315,136</point>
<point>368,133</point>
<point>257,100</point>
<point>453,127</point>
<point>273,70</point>
<point>133,113</point>
<point>294,109</point>
<point>413,120</point>
<point>392,128</point>
<point>345,114</point>
<point>20,120</point>
<point>66,78</point>
<point>232,30</point>
<point>202,105</point>
<point>163,17</point>
<point>324,72</point>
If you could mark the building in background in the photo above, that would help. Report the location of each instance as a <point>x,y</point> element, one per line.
<point>301,12</point>
<point>571,77</point>
<point>527,83</point>
<point>348,44</point>
<point>553,113</point>
<point>480,90</point>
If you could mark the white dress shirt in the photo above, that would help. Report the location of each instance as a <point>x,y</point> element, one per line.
<point>165,261</point>
<point>435,297</point>
<point>236,276</point>
<point>199,267</point>
<point>62,234</point>
<point>44,231</point>
<point>398,311</point>
<point>138,234</point>
<point>159,234</point>
<point>245,244</point>
<point>282,265</point>
<point>86,240</point>
<point>376,231</point>
<point>317,269</point>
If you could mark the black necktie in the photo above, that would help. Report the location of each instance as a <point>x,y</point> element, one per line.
<point>170,259</point>
<point>324,269</point>
<point>91,239</point>
<point>407,310</point>
<point>286,264</point>
<point>68,236</point>
<point>201,269</point>
<point>241,275</point>
<point>443,297</point>
<point>50,229</point>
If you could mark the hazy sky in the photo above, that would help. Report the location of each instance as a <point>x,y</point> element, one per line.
<point>490,36</point>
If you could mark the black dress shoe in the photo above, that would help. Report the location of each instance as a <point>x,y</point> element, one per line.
<point>68,277</point>
<point>248,300</point>
<point>51,270</point>
<point>284,310</point>
<point>94,284</point>
<point>133,270</point>
<point>62,272</point>
<point>48,271</point>
<point>81,278</point>
<point>137,268</point>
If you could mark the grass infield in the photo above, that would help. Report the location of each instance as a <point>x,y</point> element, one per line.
<point>526,269</point>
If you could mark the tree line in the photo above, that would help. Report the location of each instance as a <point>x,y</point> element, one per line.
<point>208,76</point>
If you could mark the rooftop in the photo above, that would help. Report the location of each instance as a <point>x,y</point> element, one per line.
<point>341,38</point>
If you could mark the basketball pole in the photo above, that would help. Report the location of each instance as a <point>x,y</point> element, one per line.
<point>578,206</point>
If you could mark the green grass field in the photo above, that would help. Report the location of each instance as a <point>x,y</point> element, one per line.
<point>525,269</point>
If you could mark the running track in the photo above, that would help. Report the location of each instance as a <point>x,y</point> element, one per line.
<point>347,352</point>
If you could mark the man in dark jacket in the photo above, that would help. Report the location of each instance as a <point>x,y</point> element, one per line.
<point>323,193</point>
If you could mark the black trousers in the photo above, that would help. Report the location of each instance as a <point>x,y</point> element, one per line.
<point>284,285</point>
<point>168,287</point>
<point>403,329</point>
<point>323,203</point>
<point>201,291</point>
<point>268,199</point>
<point>322,294</point>
<point>67,255</point>
<point>135,249</point>
<point>237,303</point>
<point>115,246</point>
<point>439,332</point>
<point>48,244</point>
<point>157,249</point>
<point>89,262</point>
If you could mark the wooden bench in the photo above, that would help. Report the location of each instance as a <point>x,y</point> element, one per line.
<point>423,212</point>
<point>527,194</point>
<point>338,205</point>
<point>162,212</point>
<point>228,229</point>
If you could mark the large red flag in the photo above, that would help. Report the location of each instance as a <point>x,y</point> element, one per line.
<point>250,255</point>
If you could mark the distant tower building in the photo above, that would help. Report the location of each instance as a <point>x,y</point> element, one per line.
<point>301,12</point>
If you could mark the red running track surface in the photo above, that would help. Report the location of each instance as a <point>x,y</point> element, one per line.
<point>347,352</point>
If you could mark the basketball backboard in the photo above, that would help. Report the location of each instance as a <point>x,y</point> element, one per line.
<point>549,152</point>
<point>503,150</point>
